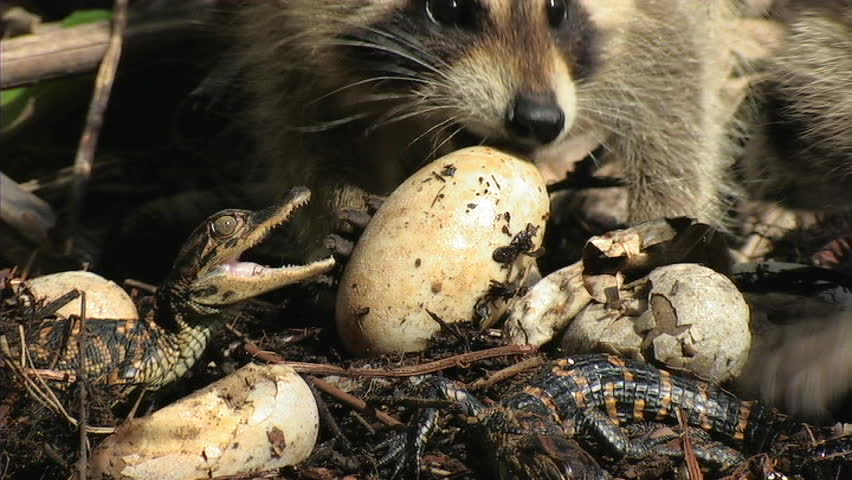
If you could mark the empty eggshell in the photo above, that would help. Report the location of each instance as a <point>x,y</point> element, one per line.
<point>433,249</point>
<point>697,320</point>
<point>259,418</point>
<point>597,326</point>
<point>685,316</point>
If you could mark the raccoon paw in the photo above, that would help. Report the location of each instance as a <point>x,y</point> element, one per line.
<point>351,223</point>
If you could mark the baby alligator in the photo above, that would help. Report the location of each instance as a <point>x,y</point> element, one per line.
<point>529,435</point>
<point>190,306</point>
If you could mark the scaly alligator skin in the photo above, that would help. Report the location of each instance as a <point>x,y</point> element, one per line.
<point>529,435</point>
<point>190,306</point>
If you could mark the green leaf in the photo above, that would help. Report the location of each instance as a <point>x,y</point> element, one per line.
<point>81,17</point>
<point>14,103</point>
<point>9,96</point>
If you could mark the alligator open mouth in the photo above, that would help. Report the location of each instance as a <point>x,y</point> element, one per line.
<point>229,280</point>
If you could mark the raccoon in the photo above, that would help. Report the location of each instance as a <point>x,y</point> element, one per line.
<point>801,154</point>
<point>801,157</point>
<point>352,97</point>
<point>803,367</point>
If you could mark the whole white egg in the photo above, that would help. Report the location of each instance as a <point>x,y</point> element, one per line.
<point>436,245</point>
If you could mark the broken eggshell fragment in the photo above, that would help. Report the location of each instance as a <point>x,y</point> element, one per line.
<point>697,320</point>
<point>260,418</point>
<point>434,247</point>
<point>600,328</point>
<point>547,307</point>
<point>609,261</point>
<point>684,316</point>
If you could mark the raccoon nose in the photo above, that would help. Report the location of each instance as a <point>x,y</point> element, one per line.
<point>535,116</point>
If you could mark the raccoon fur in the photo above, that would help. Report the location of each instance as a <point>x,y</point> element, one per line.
<point>803,367</point>
<point>802,153</point>
<point>353,96</point>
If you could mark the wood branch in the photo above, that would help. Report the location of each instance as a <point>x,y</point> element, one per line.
<point>353,401</point>
<point>83,419</point>
<point>56,52</point>
<point>28,214</point>
<point>85,157</point>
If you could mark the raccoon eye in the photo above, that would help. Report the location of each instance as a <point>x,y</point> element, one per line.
<point>457,13</point>
<point>557,11</point>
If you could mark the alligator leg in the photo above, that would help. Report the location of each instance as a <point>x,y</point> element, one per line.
<point>405,449</point>
<point>596,423</point>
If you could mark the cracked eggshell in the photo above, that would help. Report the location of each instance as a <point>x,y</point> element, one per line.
<point>104,299</point>
<point>595,326</point>
<point>696,320</point>
<point>547,307</point>
<point>260,418</point>
<point>429,249</point>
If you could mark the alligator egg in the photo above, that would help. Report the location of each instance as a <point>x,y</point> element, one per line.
<point>436,246</point>
<point>104,299</point>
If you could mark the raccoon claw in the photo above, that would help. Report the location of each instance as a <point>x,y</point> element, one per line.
<point>374,202</point>
<point>339,246</point>
<point>351,222</point>
<point>357,219</point>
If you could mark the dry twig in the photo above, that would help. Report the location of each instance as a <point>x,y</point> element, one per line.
<point>94,121</point>
<point>352,401</point>
<point>82,462</point>
<point>410,371</point>
<point>507,373</point>
<point>34,381</point>
<point>693,469</point>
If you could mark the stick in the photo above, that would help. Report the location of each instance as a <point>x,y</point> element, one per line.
<point>352,401</point>
<point>507,373</point>
<point>57,52</point>
<point>82,462</point>
<point>422,369</point>
<point>94,121</point>
<point>693,470</point>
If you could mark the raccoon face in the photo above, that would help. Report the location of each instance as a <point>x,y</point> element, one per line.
<point>489,71</point>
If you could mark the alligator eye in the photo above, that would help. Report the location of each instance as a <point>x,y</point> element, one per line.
<point>557,12</point>
<point>454,13</point>
<point>225,225</point>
